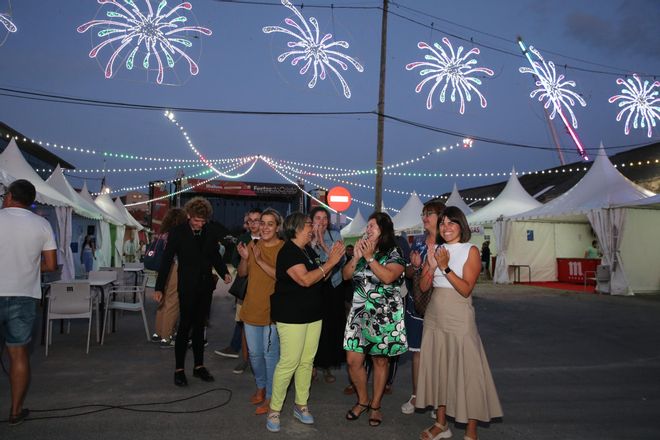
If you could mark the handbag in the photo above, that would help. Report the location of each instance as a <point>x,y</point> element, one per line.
<point>154,254</point>
<point>421,298</point>
<point>238,288</point>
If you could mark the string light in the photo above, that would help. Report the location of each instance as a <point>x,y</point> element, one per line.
<point>115,155</point>
<point>315,52</point>
<point>7,23</point>
<point>170,116</point>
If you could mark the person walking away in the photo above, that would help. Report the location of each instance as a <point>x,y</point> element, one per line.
<point>485,258</point>
<point>195,244</point>
<point>28,248</point>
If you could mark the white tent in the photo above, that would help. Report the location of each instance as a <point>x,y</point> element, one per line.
<point>104,201</point>
<point>408,219</point>
<point>134,225</point>
<point>356,227</point>
<point>104,245</point>
<point>12,160</point>
<point>81,206</point>
<point>512,200</point>
<point>456,200</point>
<point>562,227</point>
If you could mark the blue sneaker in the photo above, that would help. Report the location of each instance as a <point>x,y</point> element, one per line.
<point>303,415</point>
<point>273,422</point>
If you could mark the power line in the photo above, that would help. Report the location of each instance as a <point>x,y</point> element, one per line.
<point>48,97</point>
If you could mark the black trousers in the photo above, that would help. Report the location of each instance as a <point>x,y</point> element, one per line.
<point>194,308</point>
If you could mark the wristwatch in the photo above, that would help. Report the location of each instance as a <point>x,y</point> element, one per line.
<point>447,270</point>
<point>371,260</point>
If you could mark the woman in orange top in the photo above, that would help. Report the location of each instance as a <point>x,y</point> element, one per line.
<point>258,264</point>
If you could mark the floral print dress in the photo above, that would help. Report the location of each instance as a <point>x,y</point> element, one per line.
<point>375,324</point>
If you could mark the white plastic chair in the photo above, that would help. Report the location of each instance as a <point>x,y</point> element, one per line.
<point>68,301</point>
<point>121,298</point>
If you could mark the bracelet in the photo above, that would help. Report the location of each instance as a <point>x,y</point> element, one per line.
<point>322,271</point>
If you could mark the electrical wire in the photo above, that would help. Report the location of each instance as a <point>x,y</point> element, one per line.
<point>132,407</point>
<point>47,97</point>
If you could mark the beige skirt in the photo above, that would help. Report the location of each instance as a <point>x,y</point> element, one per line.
<point>453,370</point>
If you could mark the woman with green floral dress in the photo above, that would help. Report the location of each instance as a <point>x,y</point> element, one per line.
<point>375,325</point>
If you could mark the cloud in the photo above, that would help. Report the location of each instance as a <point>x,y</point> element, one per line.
<point>630,29</point>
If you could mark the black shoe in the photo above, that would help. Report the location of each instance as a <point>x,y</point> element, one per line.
<point>203,374</point>
<point>18,418</point>
<point>180,379</point>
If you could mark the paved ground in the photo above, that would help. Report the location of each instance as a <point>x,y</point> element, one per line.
<point>566,365</point>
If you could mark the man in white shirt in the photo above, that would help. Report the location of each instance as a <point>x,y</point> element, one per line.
<point>28,248</point>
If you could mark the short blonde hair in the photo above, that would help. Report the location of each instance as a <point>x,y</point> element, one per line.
<point>199,207</point>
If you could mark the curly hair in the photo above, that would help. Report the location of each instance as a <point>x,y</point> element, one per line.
<point>199,207</point>
<point>174,217</point>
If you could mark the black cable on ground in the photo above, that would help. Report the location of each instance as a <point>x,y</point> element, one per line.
<point>133,407</point>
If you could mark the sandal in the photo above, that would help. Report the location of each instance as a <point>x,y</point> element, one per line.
<point>375,422</point>
<point>444,432</point>
<point>350,415</point>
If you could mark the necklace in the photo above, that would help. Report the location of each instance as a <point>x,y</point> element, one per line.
<point>307,255</point>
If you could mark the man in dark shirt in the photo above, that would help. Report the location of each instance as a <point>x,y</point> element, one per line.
<point>195,244</point>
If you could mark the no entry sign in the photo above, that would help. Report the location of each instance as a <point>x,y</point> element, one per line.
<point>339,198</point>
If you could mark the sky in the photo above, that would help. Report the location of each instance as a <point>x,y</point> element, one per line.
<point>239,71</point>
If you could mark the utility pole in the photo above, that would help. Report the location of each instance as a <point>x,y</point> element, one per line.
<point>378,202</point>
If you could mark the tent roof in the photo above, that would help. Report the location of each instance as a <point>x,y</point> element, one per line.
<point>84,194</point>
<point>81,206</point>
<point>13,162</point>
<point>356,227</point>
<point>132,222</point>
<point>652,202</point>
<point>512,200</point>
<point>456,200</point>
<point>408,218</point>
<point>603,186</point>
<point>104,201</point>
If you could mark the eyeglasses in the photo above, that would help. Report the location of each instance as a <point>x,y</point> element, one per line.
<point>428,214</point>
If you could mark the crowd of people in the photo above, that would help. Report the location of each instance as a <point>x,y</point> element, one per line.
<point>310,304</point>
<point>313,304</point>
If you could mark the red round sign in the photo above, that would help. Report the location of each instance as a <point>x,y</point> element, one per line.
<point>339,198</point>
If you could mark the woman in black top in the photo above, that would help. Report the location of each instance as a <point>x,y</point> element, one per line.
<point>296,308</point>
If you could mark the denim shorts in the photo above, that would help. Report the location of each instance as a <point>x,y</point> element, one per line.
<point>17,315</point>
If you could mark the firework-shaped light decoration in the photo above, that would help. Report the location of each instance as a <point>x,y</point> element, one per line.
<point>313,50</point>
<point>7,23</point>
<point>453,68</point>
<point>640,100</point>
<point>160,34</point>
<point>555,89</point>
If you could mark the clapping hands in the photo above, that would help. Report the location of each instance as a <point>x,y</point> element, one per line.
<point>336,252</point>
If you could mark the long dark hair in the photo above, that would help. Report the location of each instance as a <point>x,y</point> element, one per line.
<point>386,241</point>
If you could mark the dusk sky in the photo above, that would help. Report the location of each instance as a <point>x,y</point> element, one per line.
<point>238,70</point>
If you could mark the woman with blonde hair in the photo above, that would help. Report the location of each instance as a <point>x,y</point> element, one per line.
<point>258,261</point>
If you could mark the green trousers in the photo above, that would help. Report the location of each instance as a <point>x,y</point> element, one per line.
<point>298,344</point>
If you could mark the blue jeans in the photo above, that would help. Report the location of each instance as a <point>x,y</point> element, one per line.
<point>16,319</point>
<point>264,349</point>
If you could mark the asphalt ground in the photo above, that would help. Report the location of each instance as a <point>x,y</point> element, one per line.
<point>567,365</point>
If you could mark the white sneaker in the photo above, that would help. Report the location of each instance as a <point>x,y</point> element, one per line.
<point>408,407</point>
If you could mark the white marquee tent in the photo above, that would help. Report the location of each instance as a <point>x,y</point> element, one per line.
<point>104,201</point>
<point>456,200</point>
<point>408,219</point>
<point>13,162</point>
<point>356,227</point>
<point>562,228</point>
<point>104,245</point>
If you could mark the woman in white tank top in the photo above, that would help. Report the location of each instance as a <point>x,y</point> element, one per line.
<point>454,375</point>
